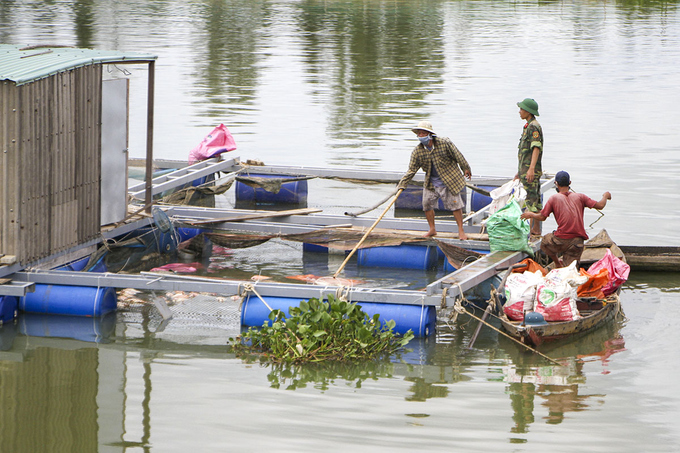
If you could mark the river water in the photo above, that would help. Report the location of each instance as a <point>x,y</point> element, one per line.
<point>340,84</point>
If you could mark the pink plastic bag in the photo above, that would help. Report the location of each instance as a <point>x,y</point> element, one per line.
<point>618,271</point>
<point>217,142</point>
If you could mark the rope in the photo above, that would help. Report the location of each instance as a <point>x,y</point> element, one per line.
<point>422,312</point>
<point>457,308</point>
<point>249,287</point>
<point>442,306</point>
<point>364,211</point>
<point>514,339</point>
<point>342,292</point>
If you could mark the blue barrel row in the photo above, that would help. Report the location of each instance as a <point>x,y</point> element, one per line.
<point>405,256</point>
<point>295,193</point>
<point>412,198</point>
<point>420,319</point>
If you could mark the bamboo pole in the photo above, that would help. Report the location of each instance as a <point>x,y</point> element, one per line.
<point>342,266</point>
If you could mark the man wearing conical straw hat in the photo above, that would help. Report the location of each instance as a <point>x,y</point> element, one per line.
<point>444,167</point>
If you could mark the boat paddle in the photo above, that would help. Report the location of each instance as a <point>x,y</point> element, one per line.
<point>342,266</point>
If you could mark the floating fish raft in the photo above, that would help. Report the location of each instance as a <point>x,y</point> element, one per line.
<point>84,285</point>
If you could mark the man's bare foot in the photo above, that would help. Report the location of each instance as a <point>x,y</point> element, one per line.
<point>430,234</point>
<point>462,236</point>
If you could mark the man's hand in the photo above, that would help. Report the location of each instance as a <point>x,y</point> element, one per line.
<point>607,195</point>
<point>530,175</point>
<point>468,174</point>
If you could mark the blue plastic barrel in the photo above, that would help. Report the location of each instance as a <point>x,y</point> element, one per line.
<point>8,308</point>
<point>80,264</point>
<point>479,201</point>
<point>92,330</point>
<point>420,319</point>
<point>69,300</point>
<point>293,192</point>
<point>412,198</point>
<point>187,233</point>
<point>306,247</point>
<point>399,256</point>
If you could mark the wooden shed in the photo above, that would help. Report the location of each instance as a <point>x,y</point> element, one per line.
<point>50,133</point>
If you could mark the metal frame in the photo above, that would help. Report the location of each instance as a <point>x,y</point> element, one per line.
<point>184,176</point>
<point>460,280</point>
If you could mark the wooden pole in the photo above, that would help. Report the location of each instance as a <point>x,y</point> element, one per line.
<point>148,201</point>
<point>342,266</point>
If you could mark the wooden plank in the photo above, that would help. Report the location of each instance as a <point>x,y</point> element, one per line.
<point>8,259</point>
<point>262,215</point>
<point>417,234</point>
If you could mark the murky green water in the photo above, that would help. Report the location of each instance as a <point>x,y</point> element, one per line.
<point>340,83</point>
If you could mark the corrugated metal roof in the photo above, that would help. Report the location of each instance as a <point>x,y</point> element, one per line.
<point>24,64</point>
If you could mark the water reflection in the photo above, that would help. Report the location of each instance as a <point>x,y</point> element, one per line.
<point>324,375</point>
<point>85,23</point>
<point>89,329</point>
<point>226,66</point>
<point>558,388</point>
<point>365,61</point>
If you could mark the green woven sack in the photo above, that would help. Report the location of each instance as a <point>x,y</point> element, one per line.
<point>507,231</point>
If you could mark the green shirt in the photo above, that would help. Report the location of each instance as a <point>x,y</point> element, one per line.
<point>450,163</point>
<point>532,137</point>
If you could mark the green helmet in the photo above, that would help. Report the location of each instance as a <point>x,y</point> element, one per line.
<point>529,105</point>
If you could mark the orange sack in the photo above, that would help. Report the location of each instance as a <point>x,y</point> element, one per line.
<point>531,266</point>
<point>593,287</point>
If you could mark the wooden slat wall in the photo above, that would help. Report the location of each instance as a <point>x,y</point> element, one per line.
<point>9,168</point>
<point>53,171</point>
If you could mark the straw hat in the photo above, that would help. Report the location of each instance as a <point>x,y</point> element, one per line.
<point>424,126</point>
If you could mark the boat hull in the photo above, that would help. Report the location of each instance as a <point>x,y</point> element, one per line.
<point>561,330</point>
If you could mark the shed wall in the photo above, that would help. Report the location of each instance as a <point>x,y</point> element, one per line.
<point>51,163</point>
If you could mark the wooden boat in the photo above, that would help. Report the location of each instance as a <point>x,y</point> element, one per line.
<point>594,314</point>
<point>652,259</point>
<point>534,330</point>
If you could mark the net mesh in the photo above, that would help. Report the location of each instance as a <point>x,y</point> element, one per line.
<point>196,317</point>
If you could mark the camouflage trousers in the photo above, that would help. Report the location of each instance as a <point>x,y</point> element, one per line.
<point>533,201</point>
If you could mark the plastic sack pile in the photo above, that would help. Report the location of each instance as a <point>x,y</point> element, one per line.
<point>500,196</point>
<point>554,294</point>
<point>215,143</point>
<point>507,231</point>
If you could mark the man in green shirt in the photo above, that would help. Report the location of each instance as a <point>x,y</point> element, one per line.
<point>530,152</point>
<point>444,167</point>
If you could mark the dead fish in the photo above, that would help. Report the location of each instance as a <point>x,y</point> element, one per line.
<point>305,277</point>
<point>223,251</point>
<point>216,267</point>
<point>180,296</point>
<point>259,278</point>
<point>336,281</point>
<point>128,293</point>
<point>326,281</point>
<point>181,268</point>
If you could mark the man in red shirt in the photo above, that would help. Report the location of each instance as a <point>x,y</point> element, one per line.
<point>568,209</point>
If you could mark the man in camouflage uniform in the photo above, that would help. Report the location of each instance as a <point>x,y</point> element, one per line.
<point>444,168</point>
<point>529,157</point>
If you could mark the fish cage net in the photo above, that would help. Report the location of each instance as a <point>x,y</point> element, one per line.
<point>195,317</point>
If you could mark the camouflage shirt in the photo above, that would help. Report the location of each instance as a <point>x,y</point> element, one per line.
<point>532,137</point>
<point>445,156</point>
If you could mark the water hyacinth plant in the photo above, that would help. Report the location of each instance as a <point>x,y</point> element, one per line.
<point>318,331</point>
